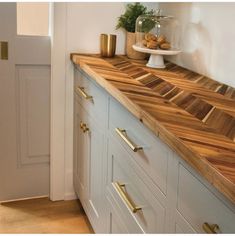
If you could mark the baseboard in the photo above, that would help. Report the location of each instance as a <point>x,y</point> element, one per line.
<point>23,199</point>
<point>70,196</point>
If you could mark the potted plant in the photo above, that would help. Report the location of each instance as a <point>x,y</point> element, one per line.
<point>127,22</point>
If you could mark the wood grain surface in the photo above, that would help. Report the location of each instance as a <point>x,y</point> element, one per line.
<point>42,216</point>
<point>193,114</point>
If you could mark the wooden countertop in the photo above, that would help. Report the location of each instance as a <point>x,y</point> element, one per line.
<point>193,114</point>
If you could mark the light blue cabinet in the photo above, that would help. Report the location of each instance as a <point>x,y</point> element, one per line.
<point>130,181</point>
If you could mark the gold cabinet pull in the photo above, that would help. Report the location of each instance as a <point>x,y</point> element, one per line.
<point>84,127</point>
<point>120,188</point>
<point>122,134</point>
<point>210,229</point>
<point>4,50</point>
<point>83,93</point>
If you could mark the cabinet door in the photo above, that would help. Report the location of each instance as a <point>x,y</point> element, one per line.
<point>81,153</point>
<point>96,172</point>
<point>89,141</point>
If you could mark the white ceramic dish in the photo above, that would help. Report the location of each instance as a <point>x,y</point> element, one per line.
<point>156,57</point>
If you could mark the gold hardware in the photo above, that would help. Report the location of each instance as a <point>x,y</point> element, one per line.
<point>127,140</point>
<point>210,229</point>
<point>4,50</point>
<point>83,93</point>
<point>125,197</point>
<point>107,45</point>
<point>83,127</point>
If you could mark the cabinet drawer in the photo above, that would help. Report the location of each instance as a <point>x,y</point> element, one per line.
<point>138,203</point>
<point>120,223</point>
<point>199,205</point>
<point>92,97</point>
<point>153,157</point>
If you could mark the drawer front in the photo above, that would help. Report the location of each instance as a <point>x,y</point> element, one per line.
<point>153,156</point>
<point>93,98</point>
<point>198,205</point>
<point>136,200</point>
<point>119,223</point>
<point>182,226</point>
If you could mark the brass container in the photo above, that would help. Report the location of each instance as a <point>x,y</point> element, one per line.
<point>107,45</point>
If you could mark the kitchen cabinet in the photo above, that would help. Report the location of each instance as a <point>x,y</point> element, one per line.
<point>141,209</point>
<point>89,151</point>
<point>199,206</point>
<point>129,180</point>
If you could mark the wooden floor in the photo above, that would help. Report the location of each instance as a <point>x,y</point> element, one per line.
<point>43,216</point>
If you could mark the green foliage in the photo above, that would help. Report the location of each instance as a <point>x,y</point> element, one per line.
<point>148,23</point>
<point>128,19</point>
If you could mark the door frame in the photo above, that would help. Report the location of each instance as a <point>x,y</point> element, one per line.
<point>57,134</point>
<point>61,142</point>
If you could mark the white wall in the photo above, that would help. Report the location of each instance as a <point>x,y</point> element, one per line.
<point>86,21</point>
<point>32,18</point>
<point>207,38</point>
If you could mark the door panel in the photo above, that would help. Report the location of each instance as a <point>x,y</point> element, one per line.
<point>32,50</point>
<point>33,113</point>
<point>24,114</point>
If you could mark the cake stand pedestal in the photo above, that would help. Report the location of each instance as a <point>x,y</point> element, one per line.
<point>156,58</point>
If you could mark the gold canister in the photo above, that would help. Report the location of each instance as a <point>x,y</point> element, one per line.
<point>107,45</point>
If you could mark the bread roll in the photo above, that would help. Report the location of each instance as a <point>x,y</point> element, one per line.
<point>152,44</point>
<point>165,46</point>
<point>161,39</point>
<point>150,37</point>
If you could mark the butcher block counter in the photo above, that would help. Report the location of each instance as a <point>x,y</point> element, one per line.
<point>193,114</point>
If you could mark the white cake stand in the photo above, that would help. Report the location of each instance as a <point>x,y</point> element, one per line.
<point>156,57</point>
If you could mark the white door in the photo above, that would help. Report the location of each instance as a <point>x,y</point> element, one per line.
<point>24,110</point>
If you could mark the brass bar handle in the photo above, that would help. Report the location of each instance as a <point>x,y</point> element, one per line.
<point>122,134</point>
<point>4,50</point>
<point>84,127</point>
<point>210,229</point>
<point>83,93</point>
<point>120,188</point>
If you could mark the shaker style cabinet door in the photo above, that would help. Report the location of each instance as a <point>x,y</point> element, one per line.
<point>81,152</point>
<point>88,166</point>
<point>95,201</point>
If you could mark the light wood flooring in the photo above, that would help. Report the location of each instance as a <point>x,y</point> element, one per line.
<point>43,216</point>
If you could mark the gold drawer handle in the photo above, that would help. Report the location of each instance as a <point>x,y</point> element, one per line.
<point>83,93</point>
<point>120,188</point>
<point>122,134</point>
<point>84,127</point>
<point>210,229</point>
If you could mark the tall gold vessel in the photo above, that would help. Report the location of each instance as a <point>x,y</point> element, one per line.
<point>107,45</point>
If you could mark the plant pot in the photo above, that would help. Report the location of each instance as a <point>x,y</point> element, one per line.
<point>130,52</point>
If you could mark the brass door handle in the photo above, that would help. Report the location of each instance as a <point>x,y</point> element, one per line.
<point>4,50</point>
<point>84,127</point>
<point>120,188</point>
<point>122,134</point>
<point>210,229</point>
<point>83,93</point>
